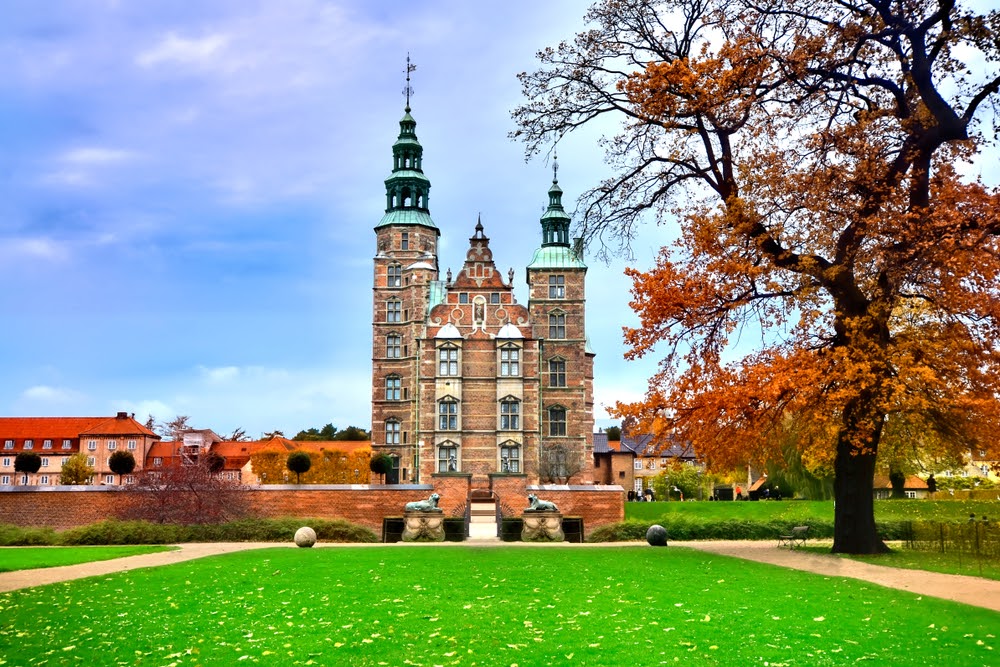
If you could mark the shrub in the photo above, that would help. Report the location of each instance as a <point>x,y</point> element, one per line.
<point>16,536</point>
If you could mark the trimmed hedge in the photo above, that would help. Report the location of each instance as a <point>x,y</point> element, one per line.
<point>681,529</point>
<point>143,532</point>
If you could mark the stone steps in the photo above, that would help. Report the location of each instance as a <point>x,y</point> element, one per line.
<point>483,520</point>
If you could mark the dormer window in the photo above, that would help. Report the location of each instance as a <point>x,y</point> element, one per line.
<point>29,444</point>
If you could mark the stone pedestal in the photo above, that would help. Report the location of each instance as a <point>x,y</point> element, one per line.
<point>544,526</point>
<point>423,527</point>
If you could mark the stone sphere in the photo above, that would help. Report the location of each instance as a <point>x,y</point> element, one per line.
<point>305,536</point>
<point>657,536</point>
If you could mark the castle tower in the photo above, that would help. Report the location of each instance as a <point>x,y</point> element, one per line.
<point>406,266</point>
<point>556,303</point>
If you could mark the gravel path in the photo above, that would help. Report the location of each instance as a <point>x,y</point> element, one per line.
<point>968,590</point>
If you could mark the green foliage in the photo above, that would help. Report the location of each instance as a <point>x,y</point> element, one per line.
<point>613,433</point>
<point>965,483</point>
<point>298,462</point>
<point>30,558</point>
<point>75,471</point>
<point>28,462</point>
<point>16,536</point>
<point>689,479</point>
<point>121,462</point>
<point>330,432</point>
<point>381,464</point>
<point>365,606</point>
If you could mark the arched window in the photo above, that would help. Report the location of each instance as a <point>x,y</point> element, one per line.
<point>448,414</point>
<point>394,275</point>
<point>393,343</point>
<point>557,326</point>
<point>557,372</point>
<point>393,310</point>
<point>392,385</point>
<point>510,361</point>
<point>391,432</point>
<point>510,414</point>
<point>510,457</point>
<point>557,422</point>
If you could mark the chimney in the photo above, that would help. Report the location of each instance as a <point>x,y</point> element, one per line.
<point>122,415</point>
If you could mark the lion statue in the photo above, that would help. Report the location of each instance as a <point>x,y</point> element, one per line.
<point>540,505</point>
<point>429,505</point>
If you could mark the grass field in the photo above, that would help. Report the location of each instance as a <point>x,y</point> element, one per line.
<point>497,606</point>
<point>931,561</point>
<point>804,510</point>
<point>26,558</point>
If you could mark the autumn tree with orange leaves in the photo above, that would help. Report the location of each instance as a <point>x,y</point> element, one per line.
<point>836,263</point>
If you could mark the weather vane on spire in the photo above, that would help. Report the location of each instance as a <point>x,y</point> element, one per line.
<point>408,90</point>
<point>555,167</point>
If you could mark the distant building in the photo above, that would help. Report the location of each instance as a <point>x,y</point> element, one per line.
<point>55,439</point>
<point>466,381</point>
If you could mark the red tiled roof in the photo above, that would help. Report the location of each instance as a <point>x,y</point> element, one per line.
<point>119,426</point>
<point>912,482</point>
<point>18,428</point>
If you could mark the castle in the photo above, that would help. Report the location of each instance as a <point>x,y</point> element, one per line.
<point>466,381</point>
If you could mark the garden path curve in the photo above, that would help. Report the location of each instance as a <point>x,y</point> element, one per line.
<point>967,590</point>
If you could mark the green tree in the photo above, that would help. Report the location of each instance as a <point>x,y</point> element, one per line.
<point>298,462</point>
<point>613,433</point>
<point>27,462</point>
<point>353,433</point>
<point>381,464</point>
<point>121,463</point>
<point>76,471</point>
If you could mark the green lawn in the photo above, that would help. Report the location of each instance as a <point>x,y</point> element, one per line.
<point>498,606</point>
<point>26,558</point>
<point>804,510</point>
<point>931,561</point>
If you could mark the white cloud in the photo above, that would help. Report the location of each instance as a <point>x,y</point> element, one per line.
<point>221,374</point>
<point>96,155</point>
<point>175,49</point>
<point>46,394</point>
<point>32,248</point>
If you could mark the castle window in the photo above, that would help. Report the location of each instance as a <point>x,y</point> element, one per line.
<point>44,480</point>
<point>131,444</point>
<point>45,462</point>
<point>494,297</point>
<point>448,361</point>
<point>392,345</point>
<point>463,297</point>
<point>510,361</point>
<point>394,275</point>
<point>112,445</point>
<point>5,480</point>
<point>510,415</point>
<point>557,287</point>
<point>404,241</point>
<point>393,310</point>
<point>447,457</point>
<point>392,384</point>
<point>557,422</point>
<point>557,372</point>
<point>46,444</point>
<point>67,444</point>
<point>8,444</point>
<point>510,457</point>
<point>391,432</point>
<point>448,415</point>
<point>6,462</point>
<point>29,444</point>
<point>557,326</point>
<point>91,445</point>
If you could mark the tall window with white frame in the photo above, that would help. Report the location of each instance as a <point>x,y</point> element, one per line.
<point>557,372</point>
<point>557,287</point>
<point>447,460</point>
<point>557,421</point>
<point>510,414</point>
<point>557,326</point>
<point>394,275</point>
<point>393,343</point>
<point>391,432</point>
<point>510,361</point>
<point>393,310</point>
<point>448,414</point>
<point>392,387</point>
<point>448,361</point>
<point>510,457</point>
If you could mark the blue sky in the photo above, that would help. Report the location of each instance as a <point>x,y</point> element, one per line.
<point>188,191</point>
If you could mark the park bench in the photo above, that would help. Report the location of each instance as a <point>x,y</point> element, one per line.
<point>796,538</point>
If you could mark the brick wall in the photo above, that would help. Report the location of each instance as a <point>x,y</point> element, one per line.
<point>63,507</point>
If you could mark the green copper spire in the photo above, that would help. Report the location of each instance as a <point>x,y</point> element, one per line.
<point>407,190</point>
<point>556,252</point>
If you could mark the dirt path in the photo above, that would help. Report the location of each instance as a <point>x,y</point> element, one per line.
<point>968,590</point>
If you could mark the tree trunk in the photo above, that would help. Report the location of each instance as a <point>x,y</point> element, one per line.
<point>854,481</point>
<point>898,482</point>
